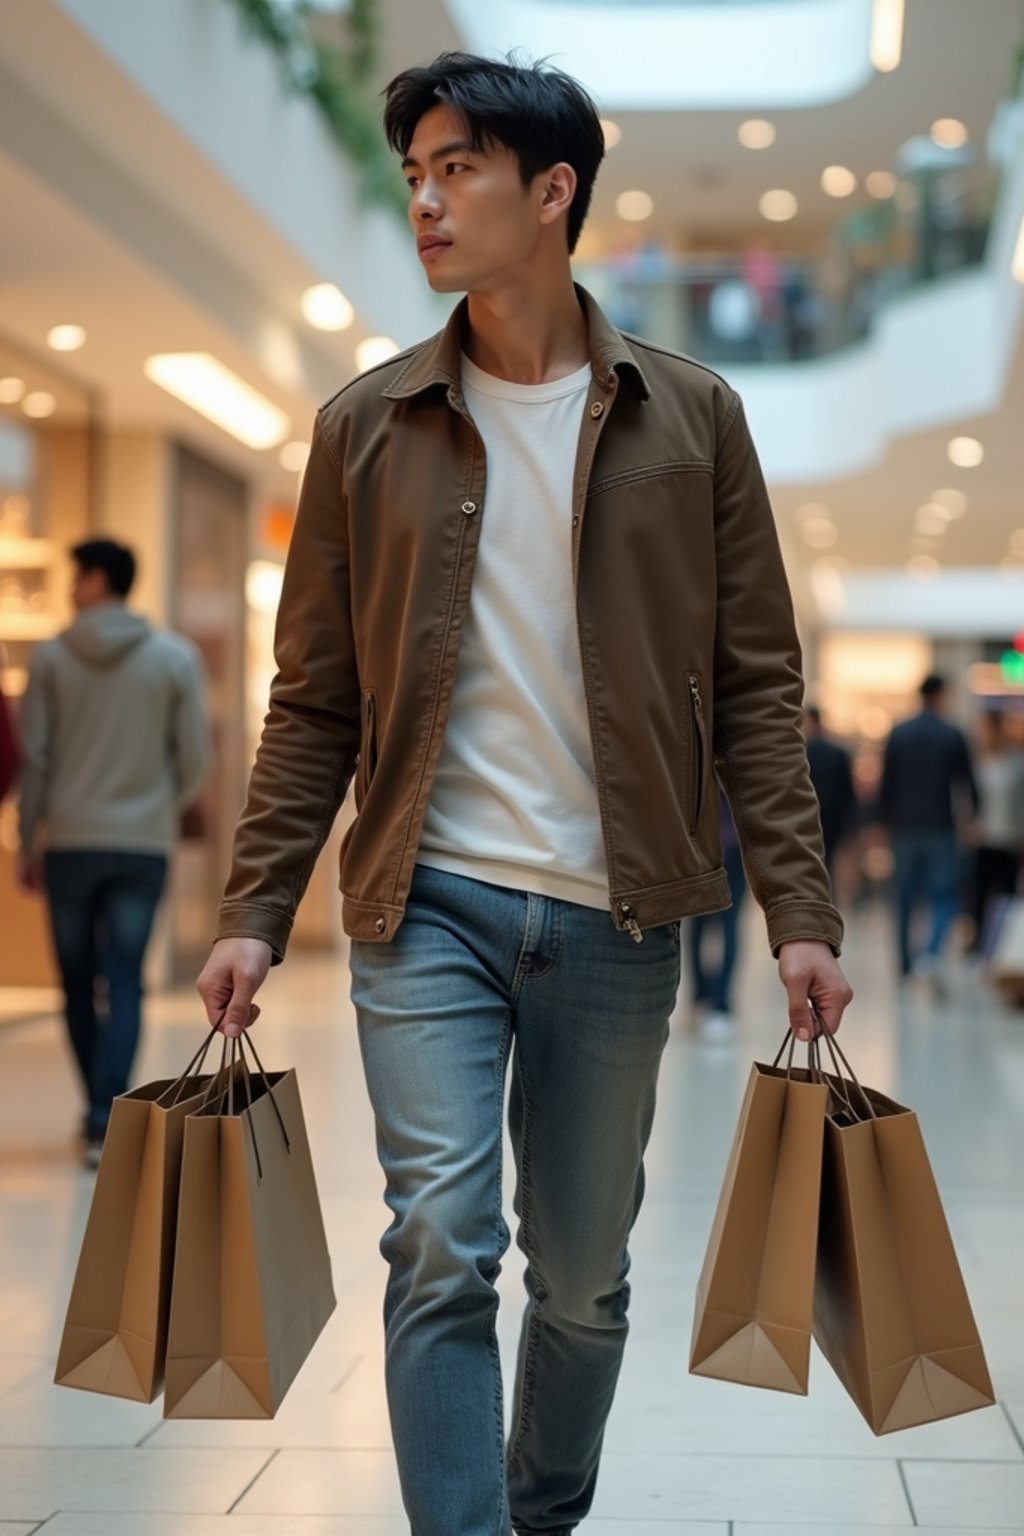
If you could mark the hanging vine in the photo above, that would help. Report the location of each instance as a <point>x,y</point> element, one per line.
<point>339,81</point>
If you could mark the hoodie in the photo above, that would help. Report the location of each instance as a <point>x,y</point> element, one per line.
<point>114,735</point>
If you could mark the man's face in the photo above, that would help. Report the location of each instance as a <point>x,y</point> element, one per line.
<point>475,222</point>
<point>88,588</point>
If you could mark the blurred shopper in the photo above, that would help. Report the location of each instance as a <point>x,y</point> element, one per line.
<point>116,745</point>
<point>495,620</point>
<point>712,982</point>
<point>10,746</point>
<point>832,776</point>
<point>999,767</point>
<point>926,777</point>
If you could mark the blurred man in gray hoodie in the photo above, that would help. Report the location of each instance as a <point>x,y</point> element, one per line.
<point>116,745</point>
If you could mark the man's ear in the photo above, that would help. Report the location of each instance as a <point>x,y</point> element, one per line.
<point>558,188</point>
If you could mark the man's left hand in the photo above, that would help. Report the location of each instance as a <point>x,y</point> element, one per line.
<point>815,985</point>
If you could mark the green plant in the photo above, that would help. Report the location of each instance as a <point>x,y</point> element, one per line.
<point>339,80</point>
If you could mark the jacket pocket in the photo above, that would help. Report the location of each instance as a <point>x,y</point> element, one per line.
<point>699,754</point>
<point>367,742</point>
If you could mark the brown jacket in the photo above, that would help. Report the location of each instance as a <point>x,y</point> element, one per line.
<point>690,661</point>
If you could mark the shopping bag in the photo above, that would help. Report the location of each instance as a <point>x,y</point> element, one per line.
<point>891,1312</point>
<point>752,1321</point>
<point>252,1284</point>
<point>115,1330</point>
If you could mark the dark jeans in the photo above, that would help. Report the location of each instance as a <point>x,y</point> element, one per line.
<point>996,872</point>
<point>927,874</point>
<point>714,987</point>
<point>102,907</point>
<point>474,975</point>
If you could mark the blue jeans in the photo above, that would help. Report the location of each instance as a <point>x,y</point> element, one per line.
<point>477,973</point>
<point>715,987</point>
<point>926,872</point>
<point>102,907</point>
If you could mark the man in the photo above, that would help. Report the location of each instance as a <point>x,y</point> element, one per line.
<point>832,777</point>
<point>534,594</point>
<point>116,746</point>
<point>926,771</point>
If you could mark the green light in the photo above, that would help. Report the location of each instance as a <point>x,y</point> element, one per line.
<point>1011,665</point>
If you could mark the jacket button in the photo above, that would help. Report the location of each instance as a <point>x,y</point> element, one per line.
<point>597,409</point>
<point>469,507</point>
<point>380,924</point>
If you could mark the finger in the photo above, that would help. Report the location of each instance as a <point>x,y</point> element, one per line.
<point>238,1013</point>
<point>801,1020</point>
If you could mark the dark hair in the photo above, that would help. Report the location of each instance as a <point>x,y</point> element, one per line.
<point>932,686</point>
<point>116,561</point>
<point>813,713</point>
<point>541,114</point>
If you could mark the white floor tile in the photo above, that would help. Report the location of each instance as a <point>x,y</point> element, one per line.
<point>355,1418</point>
<point>41,1414</point>
<point>752,1528</point>
<point>16,1370</point>
<point>979,1494</point>
<point>731,1488</point>
<point>35,1484</point>
<point>326,1483</point>
<point>226,1525</point>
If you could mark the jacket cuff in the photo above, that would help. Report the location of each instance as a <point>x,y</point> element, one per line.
<point>815,920</point>
<point>237,920</point>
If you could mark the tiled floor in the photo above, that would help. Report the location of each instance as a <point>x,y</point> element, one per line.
<point>683,1454</point>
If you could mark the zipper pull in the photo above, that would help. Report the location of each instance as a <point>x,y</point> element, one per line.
<point>695,691</point>
<point>631,925</point>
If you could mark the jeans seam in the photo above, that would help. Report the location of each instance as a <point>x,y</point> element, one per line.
<point>502,1063</point>
<point>529,1360</point>
<point>556,946</point>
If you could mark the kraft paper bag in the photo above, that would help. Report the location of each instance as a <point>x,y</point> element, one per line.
<point>755,1295</point>
<point>115,1331</point>
<point>252,1284</point>
<point>891,1313</point>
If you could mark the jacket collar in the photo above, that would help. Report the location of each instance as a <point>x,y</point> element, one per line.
<point>439,360</point>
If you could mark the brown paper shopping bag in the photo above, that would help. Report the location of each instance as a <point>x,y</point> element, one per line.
<point>755,1295</point>
<point>891,1313</point>
<point>116,1326</point>
<point>252,1285</point>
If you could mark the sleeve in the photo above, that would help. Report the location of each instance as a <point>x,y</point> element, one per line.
<point>758,705</point>
<point>310,739</point>
<point>965,773</point>
<point>37,727</point>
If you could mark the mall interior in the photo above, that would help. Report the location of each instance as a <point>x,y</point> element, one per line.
<point>202,238</point>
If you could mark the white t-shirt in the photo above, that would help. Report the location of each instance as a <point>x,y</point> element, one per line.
<point>514,802</point>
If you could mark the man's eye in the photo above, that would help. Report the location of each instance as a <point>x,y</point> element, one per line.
<point>453,165</point>
<point>412,181</point>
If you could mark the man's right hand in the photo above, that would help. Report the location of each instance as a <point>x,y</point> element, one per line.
<point>230,979</point>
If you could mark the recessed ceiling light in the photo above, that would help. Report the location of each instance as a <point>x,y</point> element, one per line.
<point>374,350</point>
<point>949,132</point>
<point>965,452</point>
<point>293,456</point>
<point>838,181</point>
<point>612,133</point>
<point>932,521</point>
<point>887,34</point>
<point>1017,266</point>
<point>923,567</point>
<point>263,581</point>
<point>880,184</point>
<point>66,338</point>
<point>820,532</point>
<point>955,502</point>
<point>778,205</point>
<point>634,206</point>
<point>326,308</point>
<point>207,386</point>
<point>39,404</point>
<point>756,133</point>
<point>11,390</point>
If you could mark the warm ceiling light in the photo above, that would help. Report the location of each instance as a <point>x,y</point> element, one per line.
<point>820,532</point>
<point>778,206</point>
<point>954,502</point>
<point>634,207</point>
<point>838,181</point>
<point>263,582</point>
<point>326,308</point>
<point>612,133</point>
<point>1018,255</point>
<point>932,521</point>
<point>887,34</point>
<point>880,183</point>
<point>923,567</point>
<point>210,388</point>
<point>374,350</point>
<point>756,133</point>
<point>66,338</point>
<point>809,509</point>
<point>293,456</point>
<point>949,132</point>
<point>965,452</point>
<point>39,403</point>
<point>11,390</point>
<point>1017,543</point>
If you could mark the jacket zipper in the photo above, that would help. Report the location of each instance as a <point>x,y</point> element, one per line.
<point>699,752</point>
<point>630,923</point>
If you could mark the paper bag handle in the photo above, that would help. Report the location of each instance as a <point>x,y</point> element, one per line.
<point>194,1069</point>
<point>844,1072</point>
